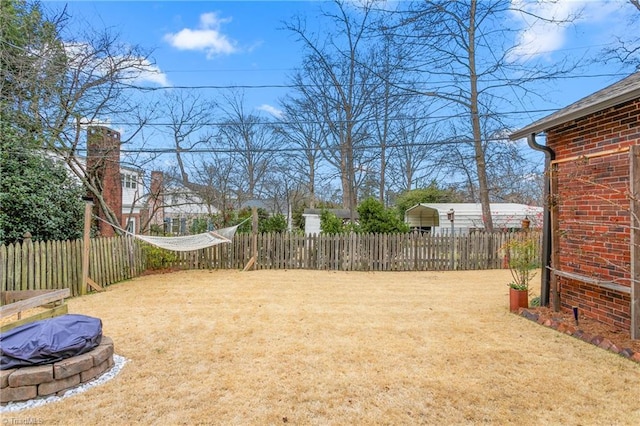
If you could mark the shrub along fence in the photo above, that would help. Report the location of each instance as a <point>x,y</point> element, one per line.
<point>58,264</point>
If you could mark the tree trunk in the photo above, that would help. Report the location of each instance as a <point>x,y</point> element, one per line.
<point>475,124</point>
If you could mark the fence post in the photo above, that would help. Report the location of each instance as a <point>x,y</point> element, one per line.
<point>88,206</point>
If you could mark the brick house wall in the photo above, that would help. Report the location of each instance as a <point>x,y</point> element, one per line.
<point>593,200</point>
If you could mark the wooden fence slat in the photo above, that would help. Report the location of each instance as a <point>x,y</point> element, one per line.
<point>36,265</point>
<point>11,281</point>
<point>66,264</point>
<point>109,261</point>
<point>22,268</point>
<point>3,266</point>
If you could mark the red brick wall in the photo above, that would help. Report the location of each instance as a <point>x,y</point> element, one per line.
<point>593,209</point>
<point>103,163</point>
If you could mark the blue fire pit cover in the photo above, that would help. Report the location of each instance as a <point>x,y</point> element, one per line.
<point>48,341</point>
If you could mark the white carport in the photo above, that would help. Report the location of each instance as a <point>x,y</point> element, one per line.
<point>422,218</point>
<point>468,216</point>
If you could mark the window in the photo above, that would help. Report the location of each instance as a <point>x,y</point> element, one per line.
<point>131,225</point>
<point>128,181</point>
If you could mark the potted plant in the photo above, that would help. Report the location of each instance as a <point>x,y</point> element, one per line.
<point>522,253</point>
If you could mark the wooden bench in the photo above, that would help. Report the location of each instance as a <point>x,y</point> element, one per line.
<point>16,302</point>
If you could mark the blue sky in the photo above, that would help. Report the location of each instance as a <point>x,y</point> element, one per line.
<point>207,43</point>
<point>241,43</point>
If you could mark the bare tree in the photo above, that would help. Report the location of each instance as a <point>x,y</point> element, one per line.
<point>305,133</point>
<point>416,153</point>
<point>462,52</point>
<point>218,174</point>
<point>59,82</point>
<point>340,89</point>
<point>88,87</point>
<point>250,139</point>
<point>627,50</point>
<point>188,116</point>
<point>392,105</point>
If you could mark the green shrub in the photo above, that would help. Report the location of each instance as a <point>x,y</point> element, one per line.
<point>522,252</point>
<point>275,223</point>
<point>375,218</point>
<point>158,258</point>
<point>199,225</point>
<point>330,223</point>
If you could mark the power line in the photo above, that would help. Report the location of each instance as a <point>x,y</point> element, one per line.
<point>285,123</point>
<point>294,86</point>
<point>289,148</point>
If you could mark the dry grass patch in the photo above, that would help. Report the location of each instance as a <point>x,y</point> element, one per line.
<point>317,347</point>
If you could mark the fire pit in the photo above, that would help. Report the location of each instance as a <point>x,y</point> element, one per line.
<point>52,356</point>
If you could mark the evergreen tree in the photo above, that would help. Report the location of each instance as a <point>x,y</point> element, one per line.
<point>37,194</point>
<point>430,194</point>
<point>376,218</point>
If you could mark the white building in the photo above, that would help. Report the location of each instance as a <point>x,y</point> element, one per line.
<point>467,217</point>
<point>133,204</point>
<point>173,208</point>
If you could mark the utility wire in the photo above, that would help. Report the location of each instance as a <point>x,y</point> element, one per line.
<point>294,86</point>
<point>285,123</point>
<point>292,148</point>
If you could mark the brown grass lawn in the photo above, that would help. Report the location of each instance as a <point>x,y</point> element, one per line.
<point>343,348</point>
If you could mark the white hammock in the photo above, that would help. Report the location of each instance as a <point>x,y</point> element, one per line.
<point>191,242</point>
<point>186,242</point>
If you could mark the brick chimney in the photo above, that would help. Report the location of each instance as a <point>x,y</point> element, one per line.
<point>103,167</point>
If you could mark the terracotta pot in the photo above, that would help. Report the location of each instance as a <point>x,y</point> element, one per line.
<point>518,299</point>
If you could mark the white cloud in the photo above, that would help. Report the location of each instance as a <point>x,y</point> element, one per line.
<point>207,37</point>
<point>540,37</point>
<point>271,110</point>
<point>143,71</point>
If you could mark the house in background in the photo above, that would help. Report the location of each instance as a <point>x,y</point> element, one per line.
<point>467,217</point>
<point>173,209</point>
<point>592,225</point>
<point>134,211</point>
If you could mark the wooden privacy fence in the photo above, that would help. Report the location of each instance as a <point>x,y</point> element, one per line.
<point>47,265</point>
<point>358,252</point>
<point>58,264</point>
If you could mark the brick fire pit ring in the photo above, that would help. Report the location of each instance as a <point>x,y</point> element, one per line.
<point>26,383</point>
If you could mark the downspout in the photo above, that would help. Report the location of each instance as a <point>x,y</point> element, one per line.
<point>550,155</point>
